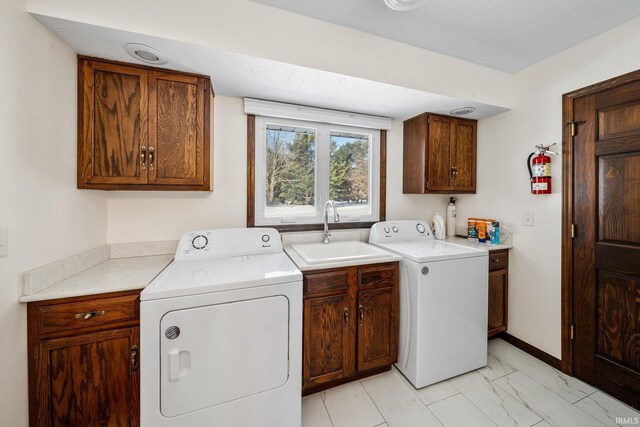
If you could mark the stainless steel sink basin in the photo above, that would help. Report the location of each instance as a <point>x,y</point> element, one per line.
<point>319,253</point>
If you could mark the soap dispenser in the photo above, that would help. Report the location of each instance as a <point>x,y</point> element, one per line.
<point>438,226</point>
<point>451,217</point>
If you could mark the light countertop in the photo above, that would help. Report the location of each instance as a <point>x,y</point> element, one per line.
<point>112,275</point>
<point>473,244</point>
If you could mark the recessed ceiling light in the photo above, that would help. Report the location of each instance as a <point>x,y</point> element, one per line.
<point>146,53</point>
<point>404,5</point>
<point>462,111</point>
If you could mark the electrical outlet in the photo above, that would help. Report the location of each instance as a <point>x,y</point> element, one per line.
<point>527,219</point>
<point>4,241</point>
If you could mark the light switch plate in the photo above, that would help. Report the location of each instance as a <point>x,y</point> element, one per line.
<point>527,219</point>
<point>4,241</point>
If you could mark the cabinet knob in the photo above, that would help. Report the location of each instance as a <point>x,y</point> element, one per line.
<point>151,157</point>
<point>143,152</point>
<point>90,314</point>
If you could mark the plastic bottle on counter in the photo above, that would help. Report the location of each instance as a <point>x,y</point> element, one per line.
<point>495,237</point>
<point>472,232</point>
<point>481,226</point>
<point>438,226</point>
<point>451,217</point>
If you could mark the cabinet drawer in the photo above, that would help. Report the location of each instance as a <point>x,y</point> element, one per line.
<point>498,260</point>
<point>83,314</point>
<point>327,282</point>
<point>377,275</point>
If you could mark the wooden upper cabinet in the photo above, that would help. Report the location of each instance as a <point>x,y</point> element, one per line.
<point>439,155</point>
<point>141,128</point>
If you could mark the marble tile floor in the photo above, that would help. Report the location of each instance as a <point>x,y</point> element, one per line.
<point>515,389</point>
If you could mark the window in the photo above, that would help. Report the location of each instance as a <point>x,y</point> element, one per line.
<point>300,165</point>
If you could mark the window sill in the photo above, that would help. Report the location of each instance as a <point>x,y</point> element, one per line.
<point>319,227</point>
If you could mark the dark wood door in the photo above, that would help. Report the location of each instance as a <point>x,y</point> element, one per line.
<point>93,379</point>
<point>441,152</point>
<point>464,156</point>
<point>176,129</point>
<point>606,247</point>
<point>497,302</point>
<point>329,339</point>
<point>377,328</point>
<point>114,124</point>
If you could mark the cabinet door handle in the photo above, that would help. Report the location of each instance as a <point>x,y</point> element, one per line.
<point>134,359</point>
<point>151,158</point>
<point>454,173</point>
<point>346,317</point>
<point>143,151</point>
<point>361,308</point>
<point>90,314</point>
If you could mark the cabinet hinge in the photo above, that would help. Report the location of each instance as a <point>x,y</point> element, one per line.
<point>426,185</point>
<point>428,119</point>
<point>204,178</point>
<point>205,86</point>
<point>573,231</point>
<point>573,126</point>
<point>571,332</point>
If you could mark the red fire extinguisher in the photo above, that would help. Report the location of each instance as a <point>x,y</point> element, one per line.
<point>540,169</point>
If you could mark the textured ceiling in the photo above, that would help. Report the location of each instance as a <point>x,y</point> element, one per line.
<point>246,76</point>
<point>506,35</point>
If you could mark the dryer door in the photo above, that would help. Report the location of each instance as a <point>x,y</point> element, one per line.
<point>218,353</point>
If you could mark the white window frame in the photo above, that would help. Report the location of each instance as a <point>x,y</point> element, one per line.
<point>323,138</point>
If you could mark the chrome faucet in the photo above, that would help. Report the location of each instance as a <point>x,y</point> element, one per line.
<point>336,218</point>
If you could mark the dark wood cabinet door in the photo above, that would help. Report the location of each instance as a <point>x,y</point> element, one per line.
<point>441,152</point>
<point>113,128</point>
<point>177,129</point>
<point>91,380</point>
<point>464,157</point>
<point>329,344</point>
<point>498,297</point>
<point>377,327</point>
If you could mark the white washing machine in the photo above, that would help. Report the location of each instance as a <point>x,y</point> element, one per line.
<point>221,334</point>
<point>443,302</point>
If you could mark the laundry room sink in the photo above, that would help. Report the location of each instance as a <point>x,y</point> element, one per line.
<point>320,253</point>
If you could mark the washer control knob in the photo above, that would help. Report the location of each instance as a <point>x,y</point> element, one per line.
<point>420,228</point>
<point>199,242</point>
<point>387,230</point>
<point>265,238</point>
<point>395,229</point>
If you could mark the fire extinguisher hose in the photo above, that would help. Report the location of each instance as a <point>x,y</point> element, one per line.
<point>529,166</point>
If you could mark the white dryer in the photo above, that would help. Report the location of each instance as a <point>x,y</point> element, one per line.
<point>221,334</point>
<point>443,302</point>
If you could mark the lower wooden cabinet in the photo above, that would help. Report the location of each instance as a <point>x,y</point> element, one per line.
<point>498,291</point>
<point>350,324</point>
<point>83,361</point>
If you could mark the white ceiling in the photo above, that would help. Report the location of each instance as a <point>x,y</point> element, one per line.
<point>506,35</point>
<point>246,76</point>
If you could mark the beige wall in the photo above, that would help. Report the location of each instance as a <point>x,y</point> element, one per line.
<point>140,216</point>
<point>505,141</point>
<point>47,217</point>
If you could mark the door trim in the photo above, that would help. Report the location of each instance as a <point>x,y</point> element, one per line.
<point>567,207</point>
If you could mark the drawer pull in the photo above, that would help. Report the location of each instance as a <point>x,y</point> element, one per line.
<point>90,314</point>
<point>495,260</point>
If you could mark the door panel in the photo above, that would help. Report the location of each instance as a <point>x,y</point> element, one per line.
<point>619,212</point>
<point>618,319</point>
<point>246,355</point>
<point>377,328</point>
<point>118,103</point>
<point>465,158</point>
<point>440,153</point>
<point>176,129</point>
<point>328,344</point>
<point>606,249</point>
<point>91,379</point>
